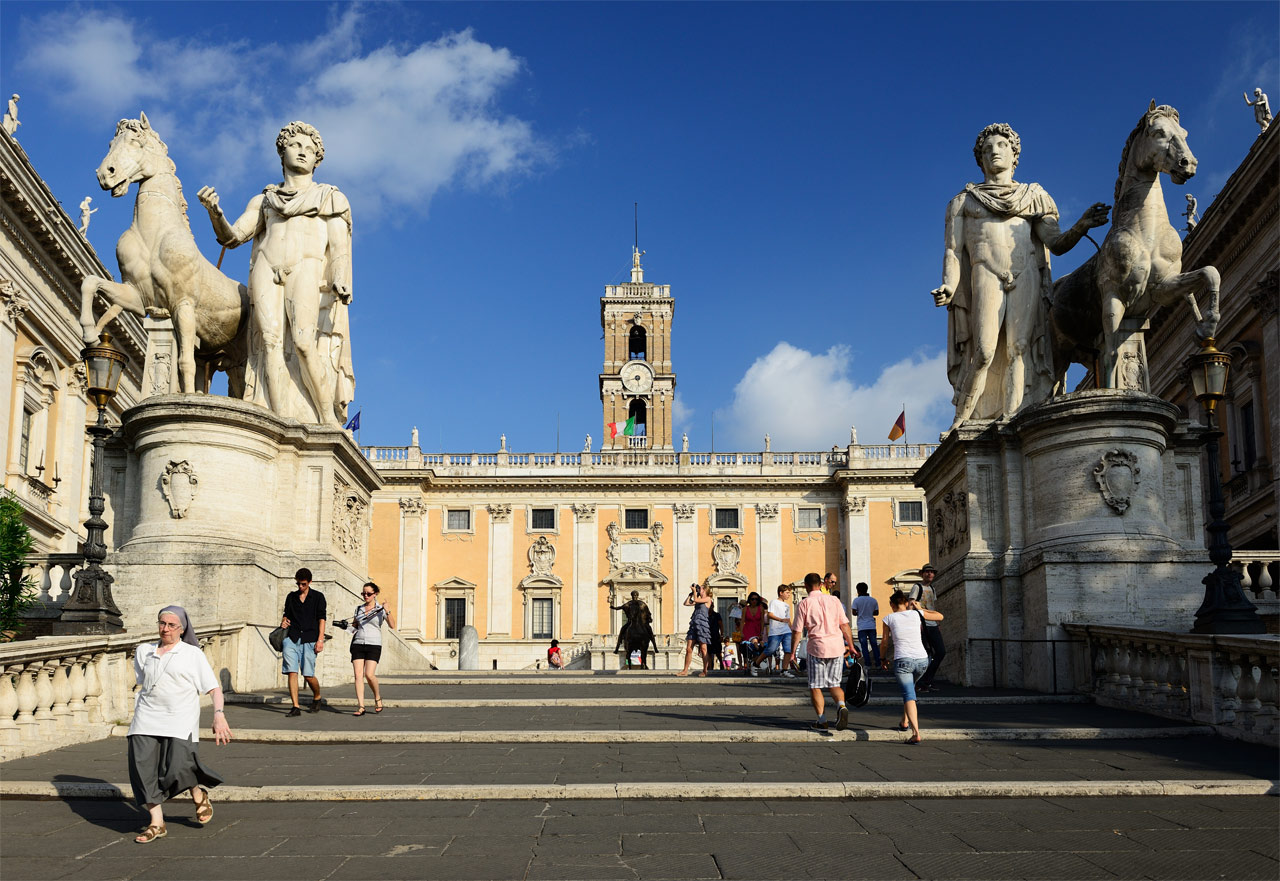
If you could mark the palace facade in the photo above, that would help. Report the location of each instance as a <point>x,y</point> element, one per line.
<point>529,547</point>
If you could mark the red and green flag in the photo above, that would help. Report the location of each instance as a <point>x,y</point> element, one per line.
<point>628,428</point>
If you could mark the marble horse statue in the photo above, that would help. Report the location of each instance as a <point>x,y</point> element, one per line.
<point>163,273</point>
<point>1139,266</point>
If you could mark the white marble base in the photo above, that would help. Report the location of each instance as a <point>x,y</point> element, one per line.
<point>1084,509</point>
<point>215,503</point>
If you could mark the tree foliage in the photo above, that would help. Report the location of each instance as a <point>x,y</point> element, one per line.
<point>18,591</point>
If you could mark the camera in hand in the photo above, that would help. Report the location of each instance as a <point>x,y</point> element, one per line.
<point>342,624</point>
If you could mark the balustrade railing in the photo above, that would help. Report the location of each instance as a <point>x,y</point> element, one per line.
<point>1259,571</point>
<point>53,574</point>
<point>56,691</point>
<point>639,455</point>
<point>1229,682</point>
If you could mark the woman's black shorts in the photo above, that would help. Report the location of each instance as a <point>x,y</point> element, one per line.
<point>363,652</point>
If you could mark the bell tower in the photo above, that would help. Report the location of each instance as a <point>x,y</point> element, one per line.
<point>637,382</point>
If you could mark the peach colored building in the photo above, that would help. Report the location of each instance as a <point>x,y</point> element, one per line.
<point>529,547</point>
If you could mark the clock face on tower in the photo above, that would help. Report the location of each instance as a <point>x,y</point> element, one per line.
<point>637,377</point>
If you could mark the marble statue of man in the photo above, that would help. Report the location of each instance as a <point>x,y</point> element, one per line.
<point>299,283</point>
<point>1261,109</point>
<point>10,122</point>
<point>85,213</point>
<point>586,445</point>
<point>995,280</point>
<point>1190,214</point>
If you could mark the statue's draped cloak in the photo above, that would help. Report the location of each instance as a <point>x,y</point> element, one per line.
<point>1031,202</point>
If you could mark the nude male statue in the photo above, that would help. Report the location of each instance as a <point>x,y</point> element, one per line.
<point>299,277</point>
<point>1191,213</point>
<point>86,213</point>
<point>995,278</point>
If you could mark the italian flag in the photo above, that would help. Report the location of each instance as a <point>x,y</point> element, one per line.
<point>628,428</point>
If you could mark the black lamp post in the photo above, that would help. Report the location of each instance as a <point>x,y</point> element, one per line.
<point>90,608</point>
<point>1225,608</point>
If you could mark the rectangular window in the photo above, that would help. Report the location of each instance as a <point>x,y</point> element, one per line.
<point>455,617</point>
<point>726,518</point>
<point>809,518</point>
<point>910,512</point>
<point>636,518</point>
<point>24,449</point>
<point>1247,438</point>
<point>458,520</point>
<point>542,519</point>
<point>542,619</point>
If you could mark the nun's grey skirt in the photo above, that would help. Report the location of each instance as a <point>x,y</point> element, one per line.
<point>162,767</point>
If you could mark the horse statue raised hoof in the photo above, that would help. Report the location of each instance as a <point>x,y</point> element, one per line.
<point>164,274</point>
<point>1139,266</point>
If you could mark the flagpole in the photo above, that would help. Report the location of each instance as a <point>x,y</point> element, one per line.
<point>904,423</point>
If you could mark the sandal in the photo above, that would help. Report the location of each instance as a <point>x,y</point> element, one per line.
<point>204,807</point>
<point>912,741</point>
<point>359,712</point>
<point>150,834</point>
<point>377,705</point>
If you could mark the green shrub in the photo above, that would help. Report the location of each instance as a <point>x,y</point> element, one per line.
<point>18,592</point>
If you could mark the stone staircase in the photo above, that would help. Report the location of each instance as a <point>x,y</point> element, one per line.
<point>599,747</point>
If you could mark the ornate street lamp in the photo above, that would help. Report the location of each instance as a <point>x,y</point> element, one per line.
<point>90,608</point>
<point>1225,608</point>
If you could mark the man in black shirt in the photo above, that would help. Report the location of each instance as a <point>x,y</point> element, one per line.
<point>304,614</point>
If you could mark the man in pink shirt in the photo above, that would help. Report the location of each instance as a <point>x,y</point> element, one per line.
<point>829,639</point>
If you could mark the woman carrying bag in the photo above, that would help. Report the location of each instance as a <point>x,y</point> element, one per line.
<point>366,643</point>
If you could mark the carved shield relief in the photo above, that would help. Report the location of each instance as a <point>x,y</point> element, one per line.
<point>1117,475</point>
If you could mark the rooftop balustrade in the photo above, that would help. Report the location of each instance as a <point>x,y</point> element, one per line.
<point>875,457</point>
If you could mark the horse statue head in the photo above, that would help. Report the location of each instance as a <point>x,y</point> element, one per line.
<point>136,154</point>
<point>1157,144</point>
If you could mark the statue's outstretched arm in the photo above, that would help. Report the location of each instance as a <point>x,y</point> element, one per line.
<point>1059,242</point>
<point>231,235</point>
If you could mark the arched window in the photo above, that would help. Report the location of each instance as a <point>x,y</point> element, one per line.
<point>639,413</point>
<point>637,343</point>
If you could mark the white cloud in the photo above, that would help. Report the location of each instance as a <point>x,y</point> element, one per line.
<point>399,123</point>
<point>807,401</point>
<point>681,413</point>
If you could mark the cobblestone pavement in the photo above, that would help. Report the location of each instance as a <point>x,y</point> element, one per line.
<point>1159,838</point>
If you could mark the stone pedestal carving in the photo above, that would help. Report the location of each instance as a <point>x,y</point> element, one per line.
<point>1086,508</point>
<point>273,495</point>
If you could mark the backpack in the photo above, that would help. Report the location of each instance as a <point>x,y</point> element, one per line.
<point>857,684</point>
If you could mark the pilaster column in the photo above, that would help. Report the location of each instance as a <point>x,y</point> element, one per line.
<point>586,572</point>
<point>500,585</point>
<point>12,305</point>
<point>857,543</point>
<point>686,569</point>
<point>413,566</point>
<point>769,542</point>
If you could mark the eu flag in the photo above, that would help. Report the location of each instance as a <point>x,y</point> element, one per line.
<point>354,424</point>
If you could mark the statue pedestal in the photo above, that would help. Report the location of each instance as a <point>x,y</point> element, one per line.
<point>1086,508</point>
<point>214,503</point>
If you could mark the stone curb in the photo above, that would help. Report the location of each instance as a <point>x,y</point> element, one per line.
<point>767,735</point>
<point>797,701</point>
<point>677,790</point>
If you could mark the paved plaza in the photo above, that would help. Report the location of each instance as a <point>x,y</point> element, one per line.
<point>635,776</point>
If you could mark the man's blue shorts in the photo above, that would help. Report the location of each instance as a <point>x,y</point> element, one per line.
<point>299,657</point>
<point>778,639</point>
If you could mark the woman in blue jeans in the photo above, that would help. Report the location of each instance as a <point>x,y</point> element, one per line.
<point>903,643</point>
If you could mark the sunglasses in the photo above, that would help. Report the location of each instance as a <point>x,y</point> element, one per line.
<point>364,594</point>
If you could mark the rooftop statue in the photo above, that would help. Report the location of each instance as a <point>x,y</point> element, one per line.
<point>995,278</point>
<point>299,283</point>
<point>1191,214</point>
<point>10,122</point>
<point>86,213</point>
<point>163,273</point>
<point>1261,109</point>
<point>1139,267</point>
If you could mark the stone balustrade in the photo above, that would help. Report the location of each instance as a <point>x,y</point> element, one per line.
<point>879,456</point>
<point>56,691</point>
<point>1229,682</point>
<point>1259,572</point>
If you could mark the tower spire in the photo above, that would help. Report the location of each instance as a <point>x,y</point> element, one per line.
<point>637,272</point>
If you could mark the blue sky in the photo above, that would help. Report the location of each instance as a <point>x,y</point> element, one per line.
<point>791,163</point>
